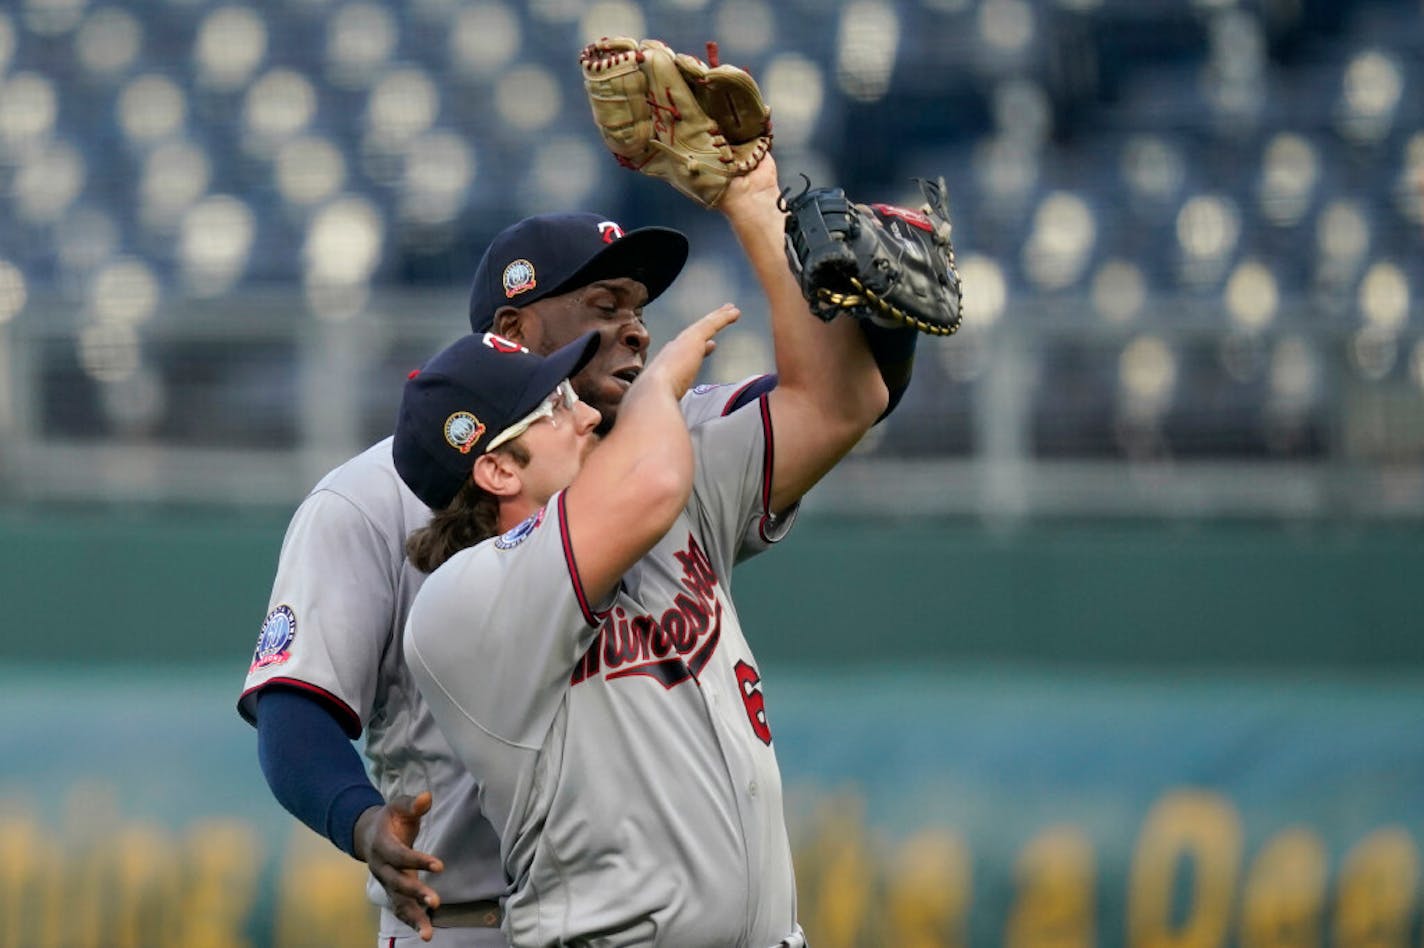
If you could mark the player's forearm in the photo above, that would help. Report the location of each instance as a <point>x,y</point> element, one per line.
<point>632,487</point>
<point>823,361</point>
<point>311,766</point>
<point>650,447</point>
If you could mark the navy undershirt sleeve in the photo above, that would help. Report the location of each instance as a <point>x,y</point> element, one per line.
<point>893,349</point>
<point>311,765</point>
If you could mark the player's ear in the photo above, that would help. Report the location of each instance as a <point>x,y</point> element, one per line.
<point>516,324</point>
<point>496,473</point>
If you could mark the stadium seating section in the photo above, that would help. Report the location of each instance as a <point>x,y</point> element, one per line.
<point>1197,228</point>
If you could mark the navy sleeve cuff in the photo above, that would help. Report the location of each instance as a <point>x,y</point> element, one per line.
<point>311,765</point>
<point>345,810</point>
<point>894,351</point>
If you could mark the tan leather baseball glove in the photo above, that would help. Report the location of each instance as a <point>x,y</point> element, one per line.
<point>666,114</point>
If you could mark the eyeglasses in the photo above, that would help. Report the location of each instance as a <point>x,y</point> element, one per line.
<point>563,396</point>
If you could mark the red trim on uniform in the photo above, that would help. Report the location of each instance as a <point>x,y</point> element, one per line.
<point>589,616</point>
<point>732,402</point>
<point>351,721</point>
<point>767,466</point>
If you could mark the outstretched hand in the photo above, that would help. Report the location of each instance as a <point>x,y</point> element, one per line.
<point>384,837</point>
<point>679,361</point>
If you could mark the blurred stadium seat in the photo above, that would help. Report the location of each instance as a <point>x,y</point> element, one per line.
<point>1192,225</point>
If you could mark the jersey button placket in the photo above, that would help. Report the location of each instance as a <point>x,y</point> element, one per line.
<point>728,742</point>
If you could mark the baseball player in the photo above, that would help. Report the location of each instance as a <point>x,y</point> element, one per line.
<point>328,664</point>
<point>584,657</point>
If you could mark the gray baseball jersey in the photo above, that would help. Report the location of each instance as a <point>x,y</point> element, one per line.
<point>622,749</point>
<point>339,602</point>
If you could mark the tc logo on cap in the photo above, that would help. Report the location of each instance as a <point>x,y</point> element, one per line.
<point>462,430</point>
<point>609,231</point>
<point>500,344</point>
<point>518,278</point>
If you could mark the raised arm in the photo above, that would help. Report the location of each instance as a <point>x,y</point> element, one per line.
<point>636,482</point>
<point>830,390</point>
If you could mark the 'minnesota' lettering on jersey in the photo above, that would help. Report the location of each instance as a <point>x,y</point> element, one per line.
<point>670,648</point>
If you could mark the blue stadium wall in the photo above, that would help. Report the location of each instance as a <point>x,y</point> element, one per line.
<point>191,587</point>
<point>1070,734</point>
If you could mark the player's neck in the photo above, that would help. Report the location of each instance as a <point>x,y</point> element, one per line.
<point>516,510</point>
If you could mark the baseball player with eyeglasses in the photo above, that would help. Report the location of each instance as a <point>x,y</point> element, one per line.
<point>577,643</point>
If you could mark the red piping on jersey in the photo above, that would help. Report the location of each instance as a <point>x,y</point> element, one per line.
<point>767,465</point>
<point>589,616</point>
<point>351,723</point>
<point>727,408</point>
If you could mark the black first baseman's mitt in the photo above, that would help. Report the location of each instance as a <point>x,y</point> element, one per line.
<point>887,264</point>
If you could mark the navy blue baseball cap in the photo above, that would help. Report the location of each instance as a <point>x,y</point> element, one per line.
<point>463,398</point>
<point>549,254</point>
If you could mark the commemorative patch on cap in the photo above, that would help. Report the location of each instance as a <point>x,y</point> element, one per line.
<point>462,430</point>
<point>274,642</point>
<point>518,534</point>
<point>518,278</point>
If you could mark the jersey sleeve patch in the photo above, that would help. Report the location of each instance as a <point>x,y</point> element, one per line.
<point>518,534</point>
<point>274,642</point>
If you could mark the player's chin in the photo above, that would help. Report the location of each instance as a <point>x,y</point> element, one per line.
<point>610,396</point>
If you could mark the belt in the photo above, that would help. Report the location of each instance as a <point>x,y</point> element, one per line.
<point>484,914</point>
